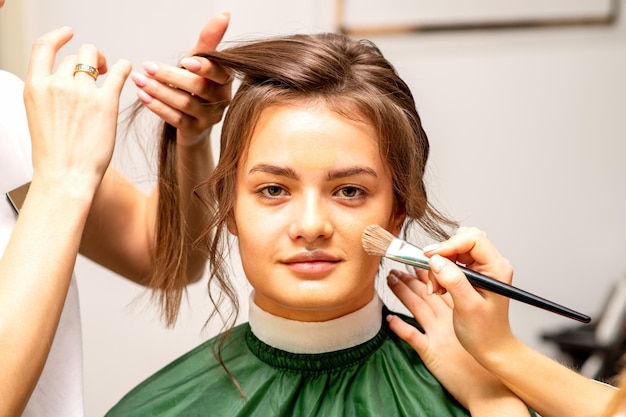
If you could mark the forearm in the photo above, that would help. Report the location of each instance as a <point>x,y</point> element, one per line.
<point>119,233</point>
<point>120,229</point>
<point>35,272</point>
<point>548,387</point>
<point>195,165</point>
<point>489,397</point>
<point>498,406</point>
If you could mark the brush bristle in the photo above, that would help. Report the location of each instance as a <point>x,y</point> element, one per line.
<point>376,240</point>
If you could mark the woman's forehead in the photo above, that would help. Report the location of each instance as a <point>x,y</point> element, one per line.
<point>311,136</point>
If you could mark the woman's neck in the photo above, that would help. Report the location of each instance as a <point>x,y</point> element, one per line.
<point>329,311</point>
<point>317,337</point>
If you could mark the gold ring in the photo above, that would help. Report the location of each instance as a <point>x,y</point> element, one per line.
<point>87,69</point>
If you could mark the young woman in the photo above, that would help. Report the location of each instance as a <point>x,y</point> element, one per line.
<point>480,320</point>
<point>321,140</point>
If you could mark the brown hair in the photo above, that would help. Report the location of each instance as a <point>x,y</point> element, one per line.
<point>351,78</point>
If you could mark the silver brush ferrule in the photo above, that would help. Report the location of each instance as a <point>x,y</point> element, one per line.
<point>404,252</point>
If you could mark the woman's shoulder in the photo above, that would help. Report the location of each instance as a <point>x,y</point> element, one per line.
<point>183,376</point>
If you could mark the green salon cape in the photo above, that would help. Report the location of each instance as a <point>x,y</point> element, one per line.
<point>382,377</point>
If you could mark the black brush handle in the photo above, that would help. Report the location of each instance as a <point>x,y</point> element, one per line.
<point>487,283</point>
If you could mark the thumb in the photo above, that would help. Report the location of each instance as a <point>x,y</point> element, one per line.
<point>450,277</point>
<point>212,33</point>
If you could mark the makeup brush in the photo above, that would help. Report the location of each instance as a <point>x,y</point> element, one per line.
<point>379,242</point>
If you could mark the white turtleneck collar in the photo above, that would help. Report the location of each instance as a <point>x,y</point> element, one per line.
<point>317,337</point>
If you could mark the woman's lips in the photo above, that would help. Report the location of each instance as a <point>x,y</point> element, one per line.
<point>312,263</point>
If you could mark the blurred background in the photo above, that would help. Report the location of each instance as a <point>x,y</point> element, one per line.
<point>524,111</point>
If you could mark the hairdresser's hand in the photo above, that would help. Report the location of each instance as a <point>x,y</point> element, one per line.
<point>72,120</point>
<point>193,96</point>
<point>481,319</point>
<point>455,368</point>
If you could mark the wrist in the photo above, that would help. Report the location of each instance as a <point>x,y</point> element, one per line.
<point>194,162</point>
<point>185,141</point>
<point>498,355</point>
<point>487,389</point>
<point>77,190</point>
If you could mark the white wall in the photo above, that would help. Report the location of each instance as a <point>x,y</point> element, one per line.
<point>527,141</point>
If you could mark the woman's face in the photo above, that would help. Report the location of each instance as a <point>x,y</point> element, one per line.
<point>309,184</point>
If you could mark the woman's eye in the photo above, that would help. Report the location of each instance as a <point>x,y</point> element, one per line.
<point>272,191</point>
<point>350,192</point>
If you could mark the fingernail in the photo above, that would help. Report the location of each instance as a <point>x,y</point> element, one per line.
<point>191,64</point>
<point>392,279</point>
<point>431,248</point>
<point>139,79</point>
<point>389,317</point>
<point>150,67</point>
<point>437,262</point>
<point>144,97</point>
<point>429,287</point>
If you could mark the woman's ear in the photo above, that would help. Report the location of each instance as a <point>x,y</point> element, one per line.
<point>398,221</point>
<point>232,225</point>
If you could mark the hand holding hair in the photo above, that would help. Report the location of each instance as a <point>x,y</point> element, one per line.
<point>190,97</point>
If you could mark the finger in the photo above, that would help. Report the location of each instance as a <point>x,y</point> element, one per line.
<point>66,67</point>
<point>199,109</point>
<point>466,240</point>
<point>410,334</point>
<point>471,247</point>
<point>438,304</point>
<point>177,118</point>
<point>212,33</point>
<point>118,74</point>
<point>44,51</point>
<point>207,69</point>
<point>447,299</point>
<point>412,294</point>
<point>210,84</point>
<point>90,56</point>
<point>411,281</point>
<point>421,274</point>
<point>432,286</point>
<point>171,104</point>
<point>450,276</point>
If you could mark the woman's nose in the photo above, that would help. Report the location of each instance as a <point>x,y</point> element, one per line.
<point>310,218</point>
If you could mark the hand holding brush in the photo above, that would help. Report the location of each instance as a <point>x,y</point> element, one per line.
<point>379,242</point>
<point>480,321</point>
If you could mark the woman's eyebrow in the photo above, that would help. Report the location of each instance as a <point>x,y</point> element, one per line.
<point>351,171</point>
<point>274,170</point>
<point>332,175</point>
